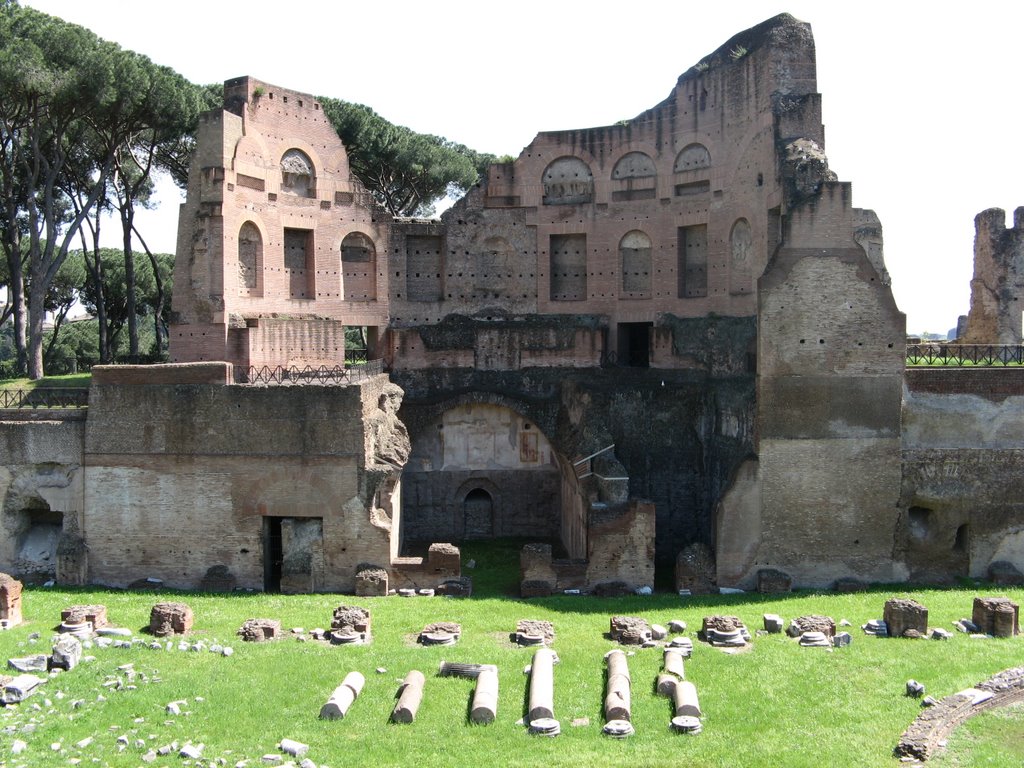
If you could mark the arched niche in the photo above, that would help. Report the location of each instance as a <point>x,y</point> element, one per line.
<point>635,263</point>
<point>568,181</point>
<point>692,157</point>
<point>298,175</point>
<point>741,251</point>
<point>250,260</point>
<point>358,267</point>
<point>634,165</point>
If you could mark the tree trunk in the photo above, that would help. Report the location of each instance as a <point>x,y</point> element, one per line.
<point>17,298</point>
<point>127,215</point>
<point>36,315</point>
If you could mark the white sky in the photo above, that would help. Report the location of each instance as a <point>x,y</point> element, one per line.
<point>921,108</point>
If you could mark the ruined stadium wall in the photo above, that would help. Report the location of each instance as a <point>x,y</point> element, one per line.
<point>178,478</point>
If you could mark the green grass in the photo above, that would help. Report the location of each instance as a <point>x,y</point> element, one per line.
<point>72,380</point>
<point>777,704</point>
<point>994,738</point>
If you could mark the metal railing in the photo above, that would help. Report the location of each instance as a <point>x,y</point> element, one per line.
<point>44,397</point>
<point>959,355</point>
<point>295,376</point>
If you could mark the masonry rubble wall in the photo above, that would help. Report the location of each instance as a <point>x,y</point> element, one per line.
<point>997,288</point>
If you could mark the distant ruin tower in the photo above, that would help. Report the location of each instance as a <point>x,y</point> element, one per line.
<point>998,282</point>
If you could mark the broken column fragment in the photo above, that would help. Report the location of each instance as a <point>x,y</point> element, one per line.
<point>629,630</point>
<point>349,624</point>
<point>337,706</point>
<point>485,698</point>
<point>260,630</point>
<point>542,685</point>
<point>996,616</point>
<point>617,699</point>
<point>410,697</point>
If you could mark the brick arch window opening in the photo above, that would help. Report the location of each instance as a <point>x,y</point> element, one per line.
<point>250,260</point>
<point>297,174</point>
<point>634,177</point>
<point>568,181</point>
<point>635,262</point>
<point>692,157</point>
<point>359,267</point>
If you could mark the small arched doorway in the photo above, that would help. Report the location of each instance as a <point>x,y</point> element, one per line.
<point>478,515</point>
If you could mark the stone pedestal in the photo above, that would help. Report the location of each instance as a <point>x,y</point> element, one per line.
<point>371,582</point>
<point>902,614</point>
<point>997,616</point>
<point>170,619</point>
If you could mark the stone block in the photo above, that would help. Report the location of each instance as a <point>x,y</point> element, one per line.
<point>67,652</point>
<point>460,587</point>
<point>996,616</point>
<point>371,581</point>
<point>629,630</point>
<point>444,559</point>
<point>802,624</point>
<point>773,623</point>
<point>170,619</point>
<point>903,614</point>
<point>260,630</point>
<point>771,581</point>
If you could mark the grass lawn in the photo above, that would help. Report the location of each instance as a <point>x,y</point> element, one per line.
<point>774,705</point>
<point>72,380</point>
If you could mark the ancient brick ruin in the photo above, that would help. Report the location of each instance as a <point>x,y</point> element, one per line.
<point>666,342</point>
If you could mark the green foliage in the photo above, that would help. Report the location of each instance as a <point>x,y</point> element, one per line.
<point>404,170</point>
<point>777,704</point>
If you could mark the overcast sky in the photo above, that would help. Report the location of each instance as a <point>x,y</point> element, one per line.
<point>922,109</point>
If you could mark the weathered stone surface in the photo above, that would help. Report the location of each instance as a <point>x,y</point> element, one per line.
<point>996,616</point>
<point>849,584</point>
<point>802,624</point>
<point>629,630</point>
<point>67,652</point>
<point>10,600</point>
<point>371,581</point>
<point>338,704</point>
<point>35,663</point>
<point>695,569</point>
<point>440,633</point>
<point>260,630</point>
<point>485,697</point>
<point>534,628</point>
<point>170,619</point>
<point>460,587</point>
<point>351,616</point>
<point>773,623</point>
<point>902,614</point>
<point>535,588</point>
<point>96,615</point>
<point>773,581</point>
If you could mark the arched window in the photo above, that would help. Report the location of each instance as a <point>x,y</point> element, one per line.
<point>568,181</point>
<point>634,177</point>
<point>297,174</point>
<point>692,157</point>
<point>250,260</point>
<point>358,267</point>
<point>635,261</point>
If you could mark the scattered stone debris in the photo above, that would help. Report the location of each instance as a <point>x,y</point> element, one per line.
<point>941,634</point>
<point>67,652</point>
<point>531,632</point>
<point>996,616</point>
<point>965,625</point>
<point>38,662</point>
<point>167,619</point>
<point>803,624</point>
<point>629,630</point>
<point>350,625</point>
<point>842,639</point>
<point>902,614</point>
<point>915,689</point>
<point>773,623</point>
<point>876,627</point>
<point>260,630</point>
<point>677,625</point>
<point>724,632</point>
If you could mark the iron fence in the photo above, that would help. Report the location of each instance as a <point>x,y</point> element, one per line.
<point>959,355</point>
<point>295,376</point>
<point>48,397</point>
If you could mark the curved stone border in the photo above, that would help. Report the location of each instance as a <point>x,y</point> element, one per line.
<point>928,733</point>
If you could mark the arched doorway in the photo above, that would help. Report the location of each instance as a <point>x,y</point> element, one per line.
<point>478,515</point>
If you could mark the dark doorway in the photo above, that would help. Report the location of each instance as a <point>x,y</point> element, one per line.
<point>273,554</point>
<point>478,515</point>
<point>635,344</point>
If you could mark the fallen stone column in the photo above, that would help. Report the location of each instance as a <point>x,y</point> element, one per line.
<point>617,692</point>
<point>409,701</point>
<point>460,669</point>
<point>686,699</point>
<point>666,685</point>
<point>542,685</point>
<point>337,706</point>
<point>673,664</point>
<point>485,697</point>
